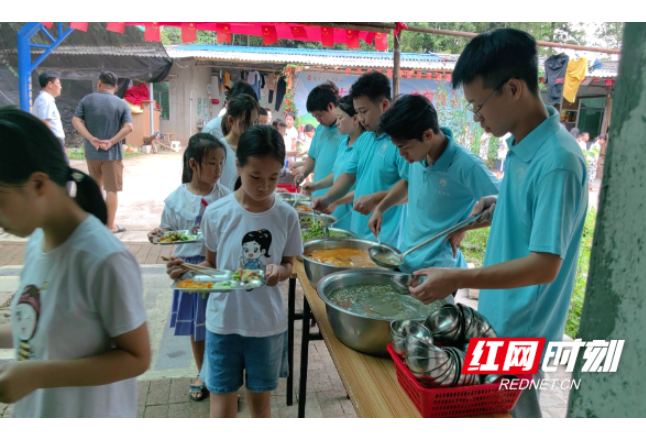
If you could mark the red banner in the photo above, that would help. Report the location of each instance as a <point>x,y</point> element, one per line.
<point>447,77</point>
<point>47,24</point>
<point>389,73</point>
<point>269,35</point>
<point>370,37</point>
<point>418,75</point>
<point>79,26</point>
<point>352,39</point>
<point>348,70</point>
<point>298,32</point>
<point>224,32</point>
<point>152,32</point>
<point>381,42</point>
<point>429,75</point>
<point>189,32</point>
<point>327,36</point>
<point>118,27</point>
<point>409,74</point>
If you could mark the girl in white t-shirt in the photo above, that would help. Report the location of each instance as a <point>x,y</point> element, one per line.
<point>246,330</point>
<point>241,115</point>
<point>78,322</point>
<point>183,210</point>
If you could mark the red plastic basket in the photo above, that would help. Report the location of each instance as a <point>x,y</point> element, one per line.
<point>456,401</point>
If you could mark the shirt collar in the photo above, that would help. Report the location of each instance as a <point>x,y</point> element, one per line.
<point>529,146</point>
<point>46,95</point>
<point>443,162</point>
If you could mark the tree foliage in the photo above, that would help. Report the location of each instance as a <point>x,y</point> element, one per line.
<point>610,33</point>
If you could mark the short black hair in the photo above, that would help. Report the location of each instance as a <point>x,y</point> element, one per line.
<point>278,123</point>
<point>47,76</point>
<point>262,112</point>
<point>308,128</point>
<point>322,96</point>
<point>292,114</point>
<point>374,85</point>
<point>260,141</point>
<point>409,117</point>
<point>108,78</point>
<point>498,56</point>
<point>240,106</point>
<point>239,88</point>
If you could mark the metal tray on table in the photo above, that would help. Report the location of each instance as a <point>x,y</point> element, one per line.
<point>222,282</point>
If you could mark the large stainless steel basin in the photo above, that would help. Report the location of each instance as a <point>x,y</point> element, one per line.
<point>367,335</point>
<point>315,270</point>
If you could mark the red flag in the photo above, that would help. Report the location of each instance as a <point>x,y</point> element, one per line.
<point>379,70</point>
<point>370,37</point>
<point>447,77</point>
<point>269,35</point>
<point>47,24</point>
<point>298,32</point>
<point>118,27</point>
<point>429,75</point>
<point>327,36</point>
<point>381,42</point>
<point>79,26</point>
<point>347,71</point>
<point>224,32</point>
<point>418,75</point>
<point>152,32</point>
<point>439,77</point>
<point>389,73</point>
<point>352,39</point>
<point>409,74</point>
<point>359,71</point>
<point>189,32</point>
<point>609,82</point>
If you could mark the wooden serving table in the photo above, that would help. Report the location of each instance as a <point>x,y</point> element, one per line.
<point>371,382</point>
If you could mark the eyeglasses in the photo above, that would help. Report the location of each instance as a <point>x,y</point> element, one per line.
<point>477,112</point>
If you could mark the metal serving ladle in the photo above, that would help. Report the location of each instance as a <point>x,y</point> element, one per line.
<point>385,257</point>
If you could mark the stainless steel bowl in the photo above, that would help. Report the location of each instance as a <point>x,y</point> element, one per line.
<point>367,335</point>
<point>315,270</point>
<point>349,234</point>
<point>290,197</point>
<point>326,219</point>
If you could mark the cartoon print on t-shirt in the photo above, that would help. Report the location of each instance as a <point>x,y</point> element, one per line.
<point>27,314</point>
<point>255,245</point>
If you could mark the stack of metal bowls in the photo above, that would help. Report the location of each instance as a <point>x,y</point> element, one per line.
<point>432,366</point>
<point>457,324</point>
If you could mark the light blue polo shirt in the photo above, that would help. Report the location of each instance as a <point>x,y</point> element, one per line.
<point>343,156</point>
<point>541,208</point>
<point>378,166</point>
<point>439,196</point>
<point>323,150</point>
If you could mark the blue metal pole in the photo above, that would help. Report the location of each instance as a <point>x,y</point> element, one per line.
<point>25,66</point>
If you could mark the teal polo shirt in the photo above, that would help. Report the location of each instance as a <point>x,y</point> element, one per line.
<point>440,196</point>
<point>323,150</point>
<point>542,206</point>
<point>343,156</point>
<point>378,166</point>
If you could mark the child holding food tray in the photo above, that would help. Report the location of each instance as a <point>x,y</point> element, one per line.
<point>249,229</point>
<point>183,210</point>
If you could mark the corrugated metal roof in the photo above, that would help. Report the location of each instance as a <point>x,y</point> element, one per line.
<point>312,57</point>
<point>139,51</point>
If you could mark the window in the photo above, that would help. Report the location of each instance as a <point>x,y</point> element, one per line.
<point>160,93</point>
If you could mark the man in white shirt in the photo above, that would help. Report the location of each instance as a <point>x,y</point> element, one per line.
<point>45,105</point>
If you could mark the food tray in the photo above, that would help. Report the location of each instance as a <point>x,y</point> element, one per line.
<point>223,276</point>
<point>454,401</point>
<point>195,238</point>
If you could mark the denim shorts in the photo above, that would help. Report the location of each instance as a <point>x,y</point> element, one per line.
<point>263,361</point>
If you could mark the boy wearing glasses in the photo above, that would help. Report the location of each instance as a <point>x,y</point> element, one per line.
<point>443,182</point>
<point>537,220</point>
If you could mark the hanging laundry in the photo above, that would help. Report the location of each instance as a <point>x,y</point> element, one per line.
<point>271,85</point>
<point>253,79</point>
<point>576,72</point>
<point>596,65</point>
<point>555,68</point>
<point>281,89</point>
<point>227,80</point>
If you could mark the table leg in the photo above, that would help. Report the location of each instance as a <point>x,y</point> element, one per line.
<point>291,306</point>
<point>305,342</point>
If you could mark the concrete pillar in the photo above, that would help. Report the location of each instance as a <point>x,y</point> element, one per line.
<point>615,306</point>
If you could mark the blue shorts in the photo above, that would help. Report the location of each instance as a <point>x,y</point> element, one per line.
<point>263,361</point>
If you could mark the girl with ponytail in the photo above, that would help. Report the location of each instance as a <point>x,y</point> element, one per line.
<point>78,317</point>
